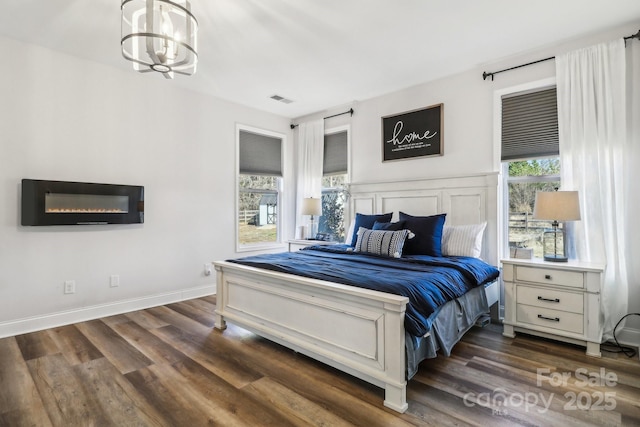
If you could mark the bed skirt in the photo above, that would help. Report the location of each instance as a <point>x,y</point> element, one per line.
<point>452,321</point>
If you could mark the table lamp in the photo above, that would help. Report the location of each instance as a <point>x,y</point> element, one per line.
<point>556,206</point>
<point>312,207</point>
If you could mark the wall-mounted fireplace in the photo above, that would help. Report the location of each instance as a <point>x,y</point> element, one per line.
<point>74,203</point>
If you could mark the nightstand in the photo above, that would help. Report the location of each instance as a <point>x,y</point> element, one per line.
<point>560,301</point>
<point>297,244</point>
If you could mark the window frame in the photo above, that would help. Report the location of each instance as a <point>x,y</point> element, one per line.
<point>502,167</point>
<point>280,189</point>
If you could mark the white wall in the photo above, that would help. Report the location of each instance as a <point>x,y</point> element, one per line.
<point>469,145</point>
<point>63,118</point>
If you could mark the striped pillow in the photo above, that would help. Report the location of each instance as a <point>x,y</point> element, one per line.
<point>381,242</point>
<point>463,240</point>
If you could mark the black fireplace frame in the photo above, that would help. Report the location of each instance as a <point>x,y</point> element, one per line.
<point>33,203</point>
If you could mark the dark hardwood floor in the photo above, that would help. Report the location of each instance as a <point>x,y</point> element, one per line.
<point>167,366</point>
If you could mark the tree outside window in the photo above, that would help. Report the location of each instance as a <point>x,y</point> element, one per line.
<point>525,178</point>
<point>334,201</point>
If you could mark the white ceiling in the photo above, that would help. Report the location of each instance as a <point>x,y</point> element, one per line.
<point>323,53</point>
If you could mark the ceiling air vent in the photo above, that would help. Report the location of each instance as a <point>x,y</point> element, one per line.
<point>281,99</point>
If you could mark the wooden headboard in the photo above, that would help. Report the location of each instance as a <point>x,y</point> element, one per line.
<point>465,199</point>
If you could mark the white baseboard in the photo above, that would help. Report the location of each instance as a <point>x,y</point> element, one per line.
<point>52,320</point>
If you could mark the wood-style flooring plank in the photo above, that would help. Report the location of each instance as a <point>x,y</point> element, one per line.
<point>231,367</point>
<point>201,304</point>
<point>146,319</point>
<point>298,410</point>
<point>180,402</point>
<point>74,345</point>
<point>193,313</point>
<point>179,321</point>
<point>120,353</point>
<point>148,344</point>
<point>36,344</point>
<point>63,392</point>
<point>89,394</point>
<point>20,403</point>
<point>236,404</point>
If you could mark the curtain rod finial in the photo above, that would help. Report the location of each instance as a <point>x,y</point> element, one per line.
<point>486,74</point>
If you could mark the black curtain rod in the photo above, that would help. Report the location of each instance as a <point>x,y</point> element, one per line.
<point>491,74</point>
<point>328,117</point>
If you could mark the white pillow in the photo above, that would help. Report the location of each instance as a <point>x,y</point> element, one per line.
<point>463,240</point>
<point>349,237</point>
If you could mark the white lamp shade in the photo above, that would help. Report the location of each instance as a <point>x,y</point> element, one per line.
<point>311,206</point>
<point>557,206</point>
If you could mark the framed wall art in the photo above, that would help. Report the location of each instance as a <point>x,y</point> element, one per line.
<point>411,134</point>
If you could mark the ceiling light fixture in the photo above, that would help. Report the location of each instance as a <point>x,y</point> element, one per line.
<point>160,35</point>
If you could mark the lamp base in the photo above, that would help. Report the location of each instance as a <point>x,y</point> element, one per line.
<point>555,258</point>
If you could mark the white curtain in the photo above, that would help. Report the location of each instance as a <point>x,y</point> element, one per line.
<point>594,149</point>
<point>632,175</point>
<point>310,148</point>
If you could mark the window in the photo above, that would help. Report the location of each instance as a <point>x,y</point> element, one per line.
<point>530,162</point>
<point>259,187</point>
<point>524,179</point>
<point>334,181</point>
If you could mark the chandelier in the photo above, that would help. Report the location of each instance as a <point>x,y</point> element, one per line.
<point>160,35</point>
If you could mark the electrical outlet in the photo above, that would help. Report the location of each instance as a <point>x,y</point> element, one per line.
<point>70,287</point>
<point>114,281</point>
<point>207,269</point>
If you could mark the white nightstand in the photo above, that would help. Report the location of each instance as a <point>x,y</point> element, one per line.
<point>554,300</point>
<point>297,244</point>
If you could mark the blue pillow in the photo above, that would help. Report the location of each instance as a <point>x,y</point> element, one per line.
<point>367,221</point>
<point>428,234</point>
<point>389,226</point>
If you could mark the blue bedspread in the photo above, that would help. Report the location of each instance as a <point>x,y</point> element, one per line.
<point>428,282</point>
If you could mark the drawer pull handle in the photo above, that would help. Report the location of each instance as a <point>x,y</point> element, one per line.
<point>553,319</point>
<point>548,299</point>
<point>547,276</point>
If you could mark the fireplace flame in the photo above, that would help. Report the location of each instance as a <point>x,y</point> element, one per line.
<point>82,210</point>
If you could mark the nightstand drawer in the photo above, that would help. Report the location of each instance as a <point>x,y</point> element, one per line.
<point>550,276</point>
<point>553,319</point>
<point>550,298</point>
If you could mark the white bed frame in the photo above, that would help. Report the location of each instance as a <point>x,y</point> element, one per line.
<point>356,330</point>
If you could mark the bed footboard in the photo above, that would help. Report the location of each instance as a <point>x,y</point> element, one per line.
<point>358,331</point>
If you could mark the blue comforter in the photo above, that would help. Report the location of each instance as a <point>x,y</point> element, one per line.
<point>428,282</point>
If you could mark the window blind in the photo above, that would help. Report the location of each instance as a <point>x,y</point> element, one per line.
<point>530,125</point>
<point>335,154</point>
<point>260,154</point>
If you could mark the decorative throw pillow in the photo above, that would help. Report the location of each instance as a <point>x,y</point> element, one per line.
<point>390,226</point>
<point>381,242</point>
<point>428,234</point>
<point>367,221</point>
<point>463,240</point>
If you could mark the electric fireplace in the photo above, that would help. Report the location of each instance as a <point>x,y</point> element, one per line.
<point>78,203</point>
